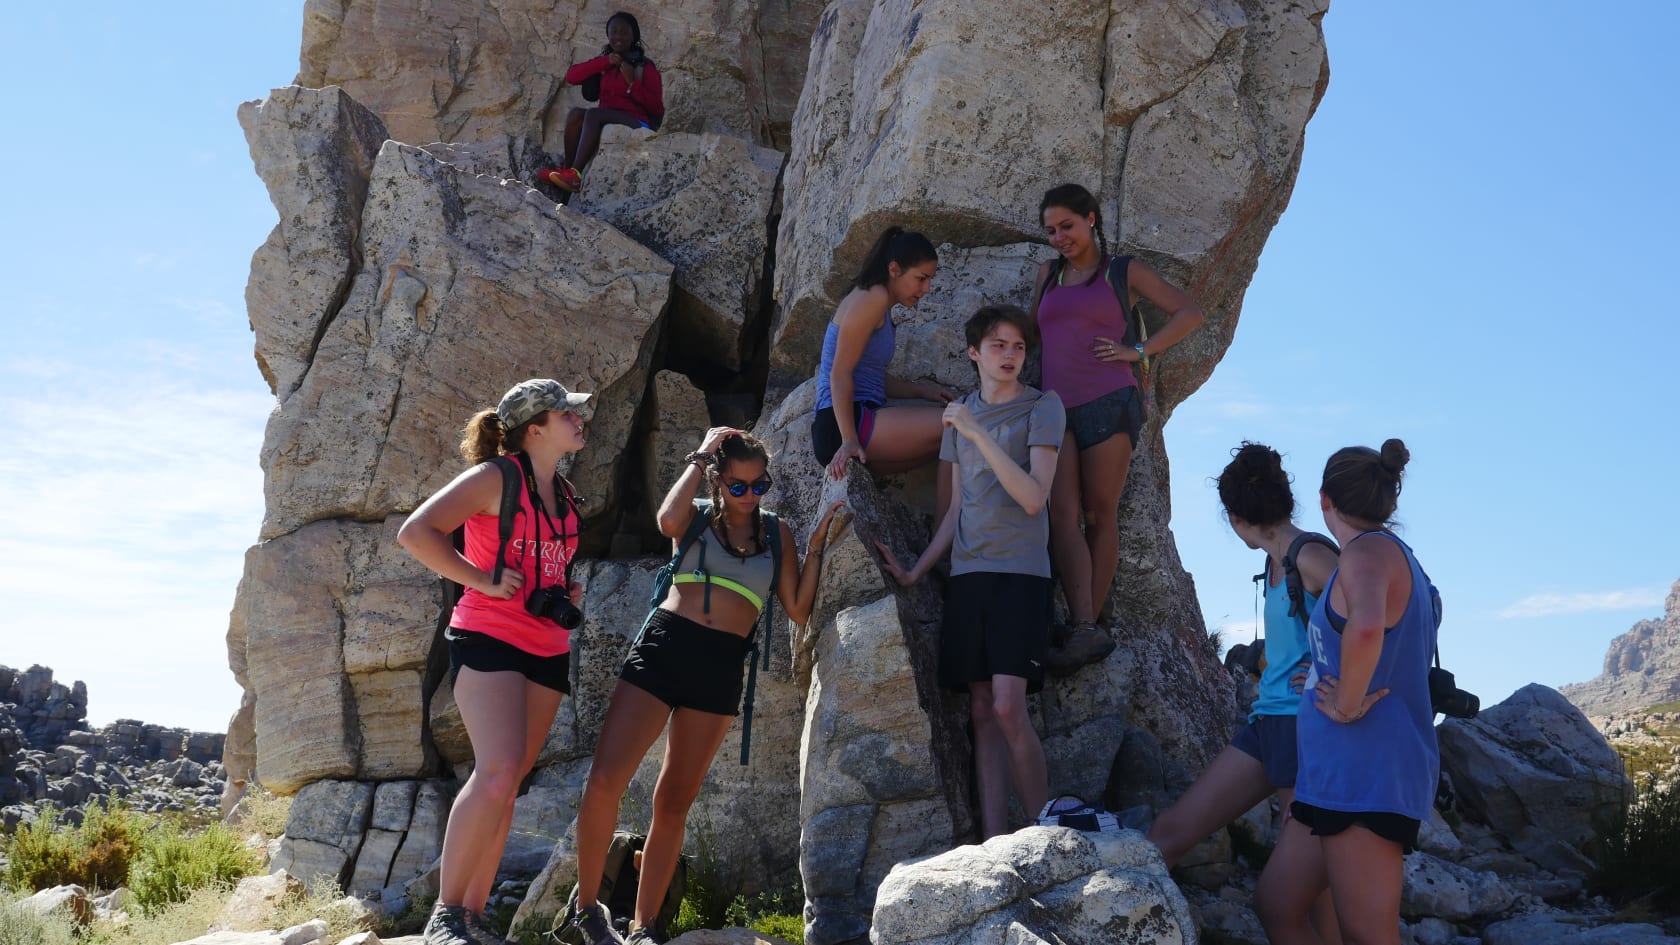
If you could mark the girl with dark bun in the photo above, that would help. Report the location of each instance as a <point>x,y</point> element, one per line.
<point>627,85</point>
<point>682,678</point>
<point>1261,759</point>
<point>1085,306</point>
<point>511,666</point>
<point>852,419</point>
<point>1369,762</point>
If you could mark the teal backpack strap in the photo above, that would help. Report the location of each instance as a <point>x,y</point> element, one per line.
<point>662,578</point>
<point>760,638</point>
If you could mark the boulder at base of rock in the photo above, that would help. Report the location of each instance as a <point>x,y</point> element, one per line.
<point>1039,884</point>
<point>255,901</point>
<point>1534,760</point>
<point>71,901</point>
<point>1434,887</point>
<point>1571,930</point>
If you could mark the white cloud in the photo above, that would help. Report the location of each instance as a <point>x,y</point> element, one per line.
<point>1552,604</point>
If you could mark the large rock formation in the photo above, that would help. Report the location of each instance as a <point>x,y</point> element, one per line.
<point>465,71</point>
<point>1641,668</point>
<point>408,285</point>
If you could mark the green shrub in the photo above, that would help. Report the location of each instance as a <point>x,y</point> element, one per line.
<point>1635,850</point>
<point>264,813</point>
<point>174,922</point>
<point>790,927</point>
<point>176,861</point>
<point>96,854</point>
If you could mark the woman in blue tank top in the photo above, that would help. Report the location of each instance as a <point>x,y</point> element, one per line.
<point>1261,758</point>
<point>1369,761</point>
<point>857,348</point>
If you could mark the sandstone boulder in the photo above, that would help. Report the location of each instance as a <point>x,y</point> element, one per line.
<point>458,71</point>
<point>315,149</point>
<point>679,419</point>
<point>1533,761</point>
<point>256,900</point>
<point>1042,884</point>
<point>705,203</point>
<point>467,286</point>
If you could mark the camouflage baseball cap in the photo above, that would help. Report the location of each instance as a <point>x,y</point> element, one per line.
<point>529,398</point>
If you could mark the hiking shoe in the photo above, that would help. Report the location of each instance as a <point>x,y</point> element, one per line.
<point>595,925</point>
<point>1073,647</point>
<point>448,926</point>
<point>642,935</point>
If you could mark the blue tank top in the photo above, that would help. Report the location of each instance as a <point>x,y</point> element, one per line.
<point>869,378</point>
<point>1387,761</point>
<point>1286,647</point>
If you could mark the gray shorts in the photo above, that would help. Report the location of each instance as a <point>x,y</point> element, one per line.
<point>1270,740</point>
<point>1118,411</point>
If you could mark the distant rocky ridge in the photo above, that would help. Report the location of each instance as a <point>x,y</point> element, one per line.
<point>49,754</point>
<point>1641,669</point>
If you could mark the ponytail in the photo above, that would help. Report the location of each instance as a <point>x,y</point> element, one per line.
<point>484,439</point>
<point>895,245</point>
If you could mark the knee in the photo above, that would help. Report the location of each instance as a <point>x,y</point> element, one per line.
<point>497,779</point>
<point>1012,718</point>
<point>575,117</point>
<point>1101,512</point>
<point>607,783</point>
<point>592,119</point>
<point>673,797</point>
<point>982,712</point>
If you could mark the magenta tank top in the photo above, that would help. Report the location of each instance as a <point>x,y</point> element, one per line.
<point>1070,317</point>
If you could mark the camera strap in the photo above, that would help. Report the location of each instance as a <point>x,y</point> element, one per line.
<point>567,503</point>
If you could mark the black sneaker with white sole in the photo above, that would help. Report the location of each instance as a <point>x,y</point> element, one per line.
<point>595,925</point>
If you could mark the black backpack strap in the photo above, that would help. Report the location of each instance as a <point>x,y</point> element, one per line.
<point>513,476</point>
<point>1292,573</point>
<point>1119,269</point>
<point>1050,279</point>
<point>759,639</point>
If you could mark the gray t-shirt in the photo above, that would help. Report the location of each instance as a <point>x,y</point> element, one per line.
<point>993,533</point>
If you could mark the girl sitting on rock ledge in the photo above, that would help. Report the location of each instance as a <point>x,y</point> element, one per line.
<point>511,662</point>
<point>627,85</point>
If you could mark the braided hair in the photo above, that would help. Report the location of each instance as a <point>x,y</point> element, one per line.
<point>733,447</point>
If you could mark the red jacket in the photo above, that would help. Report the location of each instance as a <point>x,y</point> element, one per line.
<point>644,99</point>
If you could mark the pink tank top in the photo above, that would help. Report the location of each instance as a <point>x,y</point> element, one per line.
<point>1070,317</point>
<point>533,552</point>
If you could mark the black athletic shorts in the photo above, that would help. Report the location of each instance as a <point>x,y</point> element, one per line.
<point>687,665</point>
<point>1270,740</point>
<point>825,433</point>
<point>486,654</point>
<point>1118,411</point>
<point>1389,826</point>
<point>995,625</point>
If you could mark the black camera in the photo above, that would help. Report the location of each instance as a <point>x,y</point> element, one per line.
<point>633,56</point>
<point>1446,698</point>
<point>556,605</point>
<point>1248,657</point>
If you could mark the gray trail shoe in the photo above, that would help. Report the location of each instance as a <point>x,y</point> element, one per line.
<point>448,926</point>
<point>640,935</point>
<point>1073,647</point>
<point>595,924</point>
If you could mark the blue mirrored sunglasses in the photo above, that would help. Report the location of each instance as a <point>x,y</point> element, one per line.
<point>737,488</point>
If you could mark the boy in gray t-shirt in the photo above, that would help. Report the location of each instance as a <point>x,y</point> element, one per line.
<point>1001,441</point>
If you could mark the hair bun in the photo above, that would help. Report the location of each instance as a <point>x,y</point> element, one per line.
<point>1394,457</point>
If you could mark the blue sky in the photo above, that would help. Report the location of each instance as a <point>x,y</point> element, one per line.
<point>1471,262</point>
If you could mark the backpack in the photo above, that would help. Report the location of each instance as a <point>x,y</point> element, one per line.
<point>1292,584</point>
<point>619,879</point>
<point>1071,810</point>
<point>755,640</point>
<point>513,479</point>
<point>1136,331</point>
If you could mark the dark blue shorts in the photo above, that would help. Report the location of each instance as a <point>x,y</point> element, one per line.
<point>825,433</point>
<point>1270,740</point>
<point>1116,412</point>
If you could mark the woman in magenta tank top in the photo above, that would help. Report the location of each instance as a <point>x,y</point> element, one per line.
<point>852,419</point>
<point>508,652</point>
<point>1084,316</point>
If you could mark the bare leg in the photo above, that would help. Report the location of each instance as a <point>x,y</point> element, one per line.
<point>904,438</point>
<point>634,720</point>
<point>590,140</point>
<point>1235,782</point>
<point>1067,544</point>
<point>1026,753</point>
<point>1102,477</point>
<point>1366,873</point>
<point>541,703</point>
<point>574,129</point>
<point>493,708</point>
<point>991,762</point>
<point>1324,907</point>
<point>689,750</point>
<point>1294,877</point>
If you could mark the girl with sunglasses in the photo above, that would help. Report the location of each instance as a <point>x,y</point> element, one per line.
<point>685,671</point>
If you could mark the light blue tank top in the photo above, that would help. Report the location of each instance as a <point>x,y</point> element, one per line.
<point>869,378</point>
<point>1286,647</point>
<point>1387,761</point>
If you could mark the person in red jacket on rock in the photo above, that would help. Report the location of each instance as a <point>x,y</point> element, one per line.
<point>626,84</point>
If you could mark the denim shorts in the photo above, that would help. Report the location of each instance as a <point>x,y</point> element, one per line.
<point>1118,411</point>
